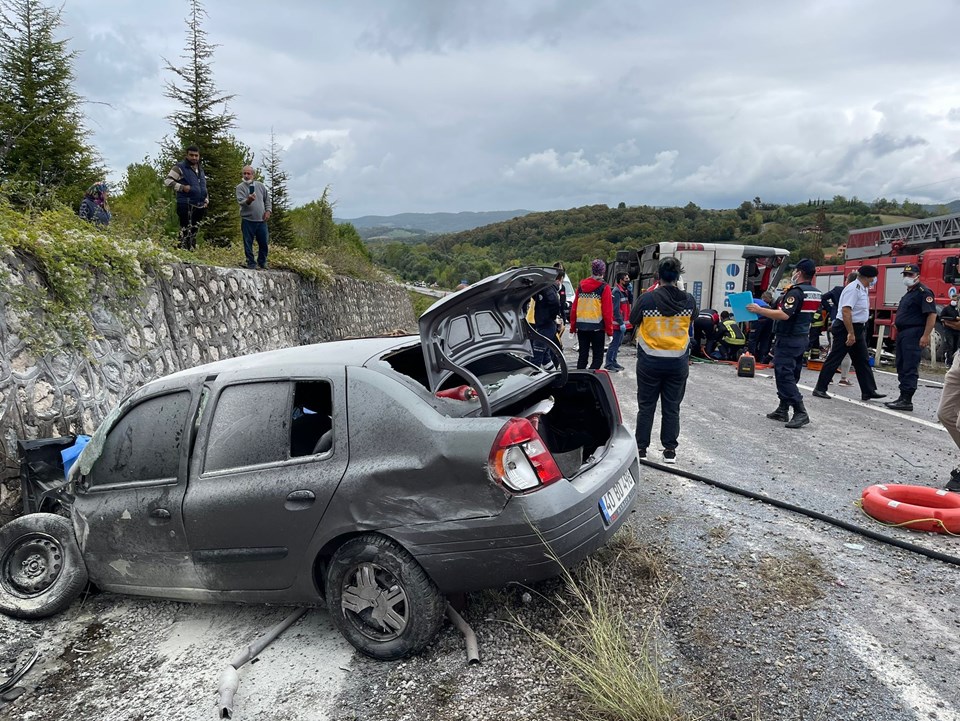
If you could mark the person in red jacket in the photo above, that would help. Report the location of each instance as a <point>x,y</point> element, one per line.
<point>591,316</point>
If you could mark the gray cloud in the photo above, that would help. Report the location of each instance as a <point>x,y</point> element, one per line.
<point>455,105</point>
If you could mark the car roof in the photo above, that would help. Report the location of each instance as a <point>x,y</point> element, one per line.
<point>301,359</point>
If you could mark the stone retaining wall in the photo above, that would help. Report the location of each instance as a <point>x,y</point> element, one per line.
<point>187,316</point>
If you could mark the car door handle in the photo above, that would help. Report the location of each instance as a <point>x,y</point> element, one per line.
<point>299,500</point>
<point>160,513</point>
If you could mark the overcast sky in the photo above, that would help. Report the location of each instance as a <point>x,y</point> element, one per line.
<point>449,105</point>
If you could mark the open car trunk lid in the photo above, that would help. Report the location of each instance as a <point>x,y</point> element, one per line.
<point>481,321</point>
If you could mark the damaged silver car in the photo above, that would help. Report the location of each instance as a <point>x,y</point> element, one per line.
<point>376,475</point>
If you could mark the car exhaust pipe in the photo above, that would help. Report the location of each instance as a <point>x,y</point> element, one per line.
<point>473,653</point>
<point>230,679</point>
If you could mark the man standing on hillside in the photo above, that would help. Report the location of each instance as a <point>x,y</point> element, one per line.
<point>190,183</point>
<point>591,315</point>
<point>256,207</point>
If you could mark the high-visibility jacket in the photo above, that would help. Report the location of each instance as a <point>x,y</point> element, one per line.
<point>732,333</point>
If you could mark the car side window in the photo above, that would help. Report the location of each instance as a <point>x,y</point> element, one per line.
<point>251,426</point>
<point>311,430</point>
<point>145,444</point>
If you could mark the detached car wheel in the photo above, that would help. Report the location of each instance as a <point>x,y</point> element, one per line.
<point>41,568</point>
<point>380,598</point>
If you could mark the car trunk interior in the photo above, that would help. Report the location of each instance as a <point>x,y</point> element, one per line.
<point>576,429</point>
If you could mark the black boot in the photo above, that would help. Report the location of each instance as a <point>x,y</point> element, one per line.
<point>800,417</point>
<point>782,413</point>
<point>903,403</point>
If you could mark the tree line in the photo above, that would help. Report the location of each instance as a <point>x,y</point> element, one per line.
<point>813,229</point>
<point>47,158</point>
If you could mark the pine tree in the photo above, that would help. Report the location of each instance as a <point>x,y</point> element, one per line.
<point>204,119</point>
<point>44,149</point>
<point>281,232</point>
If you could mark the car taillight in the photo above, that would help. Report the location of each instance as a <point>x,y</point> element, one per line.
<point>616,401</point>
<point>519,458</point>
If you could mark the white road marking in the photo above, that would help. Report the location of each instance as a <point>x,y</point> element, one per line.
<point>875,407</point>
<point>917,696</point>
<point>922,380</point>
<point>881,409</point>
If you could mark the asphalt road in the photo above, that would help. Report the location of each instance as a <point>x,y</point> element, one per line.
<point>888,619</point>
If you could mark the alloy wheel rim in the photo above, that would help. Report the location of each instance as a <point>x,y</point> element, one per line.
<point>374,602</point>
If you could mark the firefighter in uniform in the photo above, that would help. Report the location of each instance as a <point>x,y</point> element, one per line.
<point>817,326</point>
<point>916,316</point>
<point>792,329</point>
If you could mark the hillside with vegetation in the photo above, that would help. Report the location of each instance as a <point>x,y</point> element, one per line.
<point>814,229</point>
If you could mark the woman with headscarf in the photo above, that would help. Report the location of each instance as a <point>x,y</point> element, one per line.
<point>94,206</point>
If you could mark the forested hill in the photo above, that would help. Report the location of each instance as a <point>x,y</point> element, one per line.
<point>597,231</point>
<point>432,222</point>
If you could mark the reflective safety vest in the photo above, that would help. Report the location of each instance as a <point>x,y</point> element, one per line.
<point>732,333</point>
<point>590,308</point>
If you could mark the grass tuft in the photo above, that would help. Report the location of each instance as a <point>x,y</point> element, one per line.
<point>615,673</point>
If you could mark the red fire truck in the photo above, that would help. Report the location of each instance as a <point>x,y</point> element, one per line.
<point>925,243</point>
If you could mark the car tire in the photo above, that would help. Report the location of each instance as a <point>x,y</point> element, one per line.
<point>41,569</point>
<point>380,598</point>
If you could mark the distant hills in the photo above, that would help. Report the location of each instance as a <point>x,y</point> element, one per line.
<point>406,225</point>
<point>952,207</point>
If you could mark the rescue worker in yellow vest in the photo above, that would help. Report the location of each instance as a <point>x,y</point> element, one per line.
<point>732,338</point>
<point>663,318</point>
<point>817,326</point>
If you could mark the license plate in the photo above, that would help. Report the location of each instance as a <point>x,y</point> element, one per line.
<point>616,498</point>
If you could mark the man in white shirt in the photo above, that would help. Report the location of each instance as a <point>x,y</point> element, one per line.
<point>848,337</point>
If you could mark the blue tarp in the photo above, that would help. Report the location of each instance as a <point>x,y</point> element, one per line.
<point>69,455</point>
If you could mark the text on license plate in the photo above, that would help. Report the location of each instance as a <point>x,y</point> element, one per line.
<point>613,500</point>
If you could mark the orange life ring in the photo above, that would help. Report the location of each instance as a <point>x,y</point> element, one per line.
<point>919,508</point>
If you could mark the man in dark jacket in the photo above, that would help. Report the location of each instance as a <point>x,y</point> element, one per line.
<point>761,331</point>
<point>950,319</point>
<point>663,318</point>
<point>916,316</point>
<point>545,311</point>
<point>792,320</point>
<point>190,183</point>
<point>705,332</point>
<point>620,302</point>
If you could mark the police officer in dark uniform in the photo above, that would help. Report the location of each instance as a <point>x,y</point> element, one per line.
<point>916,316</point>
<point>792,329</point>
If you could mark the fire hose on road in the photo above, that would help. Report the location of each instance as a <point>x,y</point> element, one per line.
<point>846,525</point>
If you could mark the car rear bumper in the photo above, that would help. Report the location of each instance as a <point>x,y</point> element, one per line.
<point>562,522</point>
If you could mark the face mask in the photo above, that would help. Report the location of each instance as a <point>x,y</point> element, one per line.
<point>873,282</point>
<point>909,282</point>
<point>794,279</point>
<point>953,303</point>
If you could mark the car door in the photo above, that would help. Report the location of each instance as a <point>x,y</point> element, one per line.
<point>127,510</point>
<point>269,467</point>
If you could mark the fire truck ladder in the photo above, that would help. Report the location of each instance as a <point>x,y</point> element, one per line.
<point>912,237</point>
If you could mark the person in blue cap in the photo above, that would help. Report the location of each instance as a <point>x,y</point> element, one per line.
<point>916,316</point>
<point>792,318</point>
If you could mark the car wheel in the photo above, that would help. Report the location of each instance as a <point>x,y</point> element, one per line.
<point>41,569</point>
<point>380,598</point>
